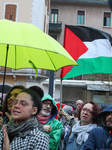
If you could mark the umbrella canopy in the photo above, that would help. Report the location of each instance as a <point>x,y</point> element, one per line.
<point>27,45</point>
<point>23,45</point>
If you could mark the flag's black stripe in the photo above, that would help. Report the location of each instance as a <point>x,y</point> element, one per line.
<point>88,34</point>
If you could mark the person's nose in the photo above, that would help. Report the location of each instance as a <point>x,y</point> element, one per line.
<point>110,116</point>
<point>85,112</point>
<point>48,106</point>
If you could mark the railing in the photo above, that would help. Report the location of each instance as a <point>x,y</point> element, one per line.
<point>55,26</point>
<point>24,72</point>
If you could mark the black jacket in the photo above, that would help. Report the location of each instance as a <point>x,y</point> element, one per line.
<point>100,138</point>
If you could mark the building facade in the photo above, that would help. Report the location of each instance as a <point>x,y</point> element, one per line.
<point>92,13</point>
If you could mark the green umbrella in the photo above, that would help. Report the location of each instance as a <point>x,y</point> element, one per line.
<point>27,42</point>
<point>23,45</point>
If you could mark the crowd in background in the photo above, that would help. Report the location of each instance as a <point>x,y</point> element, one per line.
<point>31,120</point>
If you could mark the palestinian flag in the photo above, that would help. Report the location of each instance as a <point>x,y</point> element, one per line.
<point>91,49</point>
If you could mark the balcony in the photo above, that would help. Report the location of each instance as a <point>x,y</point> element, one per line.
<point>55,27</point>
<point>25,72</point>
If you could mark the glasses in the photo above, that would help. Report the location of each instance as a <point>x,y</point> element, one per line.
<point>79,104</point>
<point>51,104</point>
<point>87,110</point>
<point>21,102</point>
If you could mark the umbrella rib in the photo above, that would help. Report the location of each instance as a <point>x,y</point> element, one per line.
<point>51,61</point>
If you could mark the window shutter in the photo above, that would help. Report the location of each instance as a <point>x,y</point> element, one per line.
<point>13,12</point>
<point>10,12</point>
<point>7,12</point>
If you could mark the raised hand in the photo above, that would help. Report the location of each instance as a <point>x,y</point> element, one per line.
<point>6,145</point>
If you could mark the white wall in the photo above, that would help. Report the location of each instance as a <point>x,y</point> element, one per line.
<point>38,13</point>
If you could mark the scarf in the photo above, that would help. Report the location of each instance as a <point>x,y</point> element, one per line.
<point>22,129</point>
<point>43,120</point>
<point>6,118</point>
<point>82,132</point>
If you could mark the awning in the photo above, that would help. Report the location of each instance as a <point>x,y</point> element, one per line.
<point>99,87</point>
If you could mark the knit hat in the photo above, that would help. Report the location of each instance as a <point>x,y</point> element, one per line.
<point>68,110</point>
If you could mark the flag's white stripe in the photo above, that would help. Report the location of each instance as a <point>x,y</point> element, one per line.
<point>97,48</point>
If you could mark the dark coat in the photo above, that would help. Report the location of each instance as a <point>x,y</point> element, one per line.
<point>100,138</point>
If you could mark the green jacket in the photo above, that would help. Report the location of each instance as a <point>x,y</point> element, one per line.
<point>55,125</point>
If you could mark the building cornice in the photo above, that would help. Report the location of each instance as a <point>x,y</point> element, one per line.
<point>87,2</point>
<point>90,85</point>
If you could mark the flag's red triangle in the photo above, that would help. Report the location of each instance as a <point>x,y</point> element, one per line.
<point>74,46</point>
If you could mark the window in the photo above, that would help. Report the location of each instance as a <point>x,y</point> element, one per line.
<point>54,16</point>
<point>99,97</point>
<point>80,17</point>
<point>107,19</point>
<point>10,12</point>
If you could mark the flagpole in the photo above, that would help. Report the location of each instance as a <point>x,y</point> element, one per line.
<point>60,93</point>
<point>61,75</point>
<point>51,82</point>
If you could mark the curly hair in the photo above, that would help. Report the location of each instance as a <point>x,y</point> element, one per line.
<point>35,98</point>
<point>96,111</point>
<point>37,89</point>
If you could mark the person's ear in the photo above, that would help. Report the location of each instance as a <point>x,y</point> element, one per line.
<point>35,109</point>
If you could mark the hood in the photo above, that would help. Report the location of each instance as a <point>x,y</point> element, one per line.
<point>68,110</point>
<point>102,116</point>
<point>54,109</point>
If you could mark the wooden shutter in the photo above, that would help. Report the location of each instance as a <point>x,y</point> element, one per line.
<point>10,12</point>
<point>7,12</point>
<point>13,12</point>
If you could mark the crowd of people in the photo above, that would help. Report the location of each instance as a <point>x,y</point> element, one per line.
<point>28,122</point>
